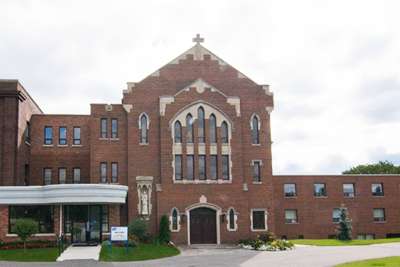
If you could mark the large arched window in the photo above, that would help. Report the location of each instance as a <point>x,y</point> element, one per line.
<point>201,122</point>
<point>213,128</point>
<point>178,132</point>
<point>189,128</point>
<point>231,222</point>
<point>174,220</point>
<point>224,133</point>
<point>144,128</point>
<point>255,130</point>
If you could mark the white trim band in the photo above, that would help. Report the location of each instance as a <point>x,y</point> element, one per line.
<point>63,193</point>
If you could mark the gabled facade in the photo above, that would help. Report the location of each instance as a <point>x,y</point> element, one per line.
<point>191,141</point>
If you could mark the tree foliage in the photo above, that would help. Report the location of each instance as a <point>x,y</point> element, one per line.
<point>164,235</point>
<point>382,167</point>
<point>25,228</point>
<point>344,227</point>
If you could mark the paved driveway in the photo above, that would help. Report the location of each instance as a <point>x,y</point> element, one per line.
<point>304,256</point>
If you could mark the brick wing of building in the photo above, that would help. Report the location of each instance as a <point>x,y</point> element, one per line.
<point>191,141</point>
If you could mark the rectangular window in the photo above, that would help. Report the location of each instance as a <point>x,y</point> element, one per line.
<point>28,132</point>
<point>114,172</point>
<point>114,128</point>
<point>105,220</point>
<point>103,128</point>
<point>62,135</point>
<point>103,172</point>
<point>225,167</point>
<point>202,167</point>
<point>348,190</point>
<point>77,136</point>
<point>178,167</point>
<point>379,215</point>
<point>214,167</point>
<point>256,171</point>
<point>189,167</point>
<point>377,189</point>
<point>77,175</point>
<point>46,176</point>
<point>319,190</point>
<point>48,135</point>
<point>289,190</point>
<point>290,216</point>
<point>42,215</point>
<point>62,175</point>
<point>258,217</point>
<point>336,215</point>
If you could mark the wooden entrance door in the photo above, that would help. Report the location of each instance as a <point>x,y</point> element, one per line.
<point>203,226</point>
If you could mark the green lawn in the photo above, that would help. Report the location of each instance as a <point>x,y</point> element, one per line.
<point>34,254</point>
<point>139,253</point>
<point>335,242</point>
<point>382,262</point>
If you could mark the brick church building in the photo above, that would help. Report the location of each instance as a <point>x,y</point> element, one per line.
<point>191,141</point>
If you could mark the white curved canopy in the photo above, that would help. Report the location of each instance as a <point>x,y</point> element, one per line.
<point>63,193</point>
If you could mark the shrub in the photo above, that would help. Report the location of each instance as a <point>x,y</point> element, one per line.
<point>138,228</point>
<point>267,237</point>
<point>164,235</point>
<point>25,228</point>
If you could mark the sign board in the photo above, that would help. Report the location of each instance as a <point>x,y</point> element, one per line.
<point>119,233</point>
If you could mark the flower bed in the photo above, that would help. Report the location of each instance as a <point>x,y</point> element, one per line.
<point>266,242</point>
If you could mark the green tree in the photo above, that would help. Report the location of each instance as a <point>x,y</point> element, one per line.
<point>344,228</point>
<point>164,235</point>
<point>138,228</point>
<point>382,167</point>
<point>25,228</point>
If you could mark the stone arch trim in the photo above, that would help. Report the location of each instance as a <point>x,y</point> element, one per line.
<point>178,220</point>
<point>234,220</point>
<point>147,117</point>
<point>208,109</point>
<point>218,212</point>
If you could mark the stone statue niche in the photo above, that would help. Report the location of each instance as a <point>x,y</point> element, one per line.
<point>144,189</point>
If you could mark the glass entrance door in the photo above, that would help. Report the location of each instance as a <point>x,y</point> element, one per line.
<point>94,224</point>
<point>78,215</point>
<point>85,223</point>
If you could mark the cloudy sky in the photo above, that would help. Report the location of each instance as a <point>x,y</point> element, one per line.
<point>334,66</point>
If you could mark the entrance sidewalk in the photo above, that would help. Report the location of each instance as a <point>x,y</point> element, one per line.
<point>80,253</point>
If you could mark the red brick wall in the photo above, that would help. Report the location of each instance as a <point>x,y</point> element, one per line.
<point>315,214</point>
<point>56,156</point>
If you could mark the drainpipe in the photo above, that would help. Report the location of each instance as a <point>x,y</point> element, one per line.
<point>61,218</point>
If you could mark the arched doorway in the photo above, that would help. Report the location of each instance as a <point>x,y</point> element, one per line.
<point>203,226</point>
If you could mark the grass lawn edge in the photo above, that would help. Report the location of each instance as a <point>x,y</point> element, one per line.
<point>142,252</point>
<point>335,242</point>
<point>392,261</point>
<point>31,255</point>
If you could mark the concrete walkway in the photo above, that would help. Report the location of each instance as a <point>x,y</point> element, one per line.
<point>302,256</point>
<point>80,253</point>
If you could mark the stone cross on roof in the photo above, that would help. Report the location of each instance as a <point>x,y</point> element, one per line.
<point>198,39</point>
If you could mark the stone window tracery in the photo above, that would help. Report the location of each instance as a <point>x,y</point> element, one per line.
<point>210,146</point>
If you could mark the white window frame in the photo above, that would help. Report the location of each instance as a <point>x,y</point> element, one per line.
<point>297,216</point>
<point>178,220</point>
<point>252,170</point>
<point>265,220</point>
<point>147,127</point>
<point>228,221</point>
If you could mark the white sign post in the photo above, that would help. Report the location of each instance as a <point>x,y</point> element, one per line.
<point>120,234</point>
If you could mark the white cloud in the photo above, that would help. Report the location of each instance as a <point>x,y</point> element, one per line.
<point>316,55</point>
